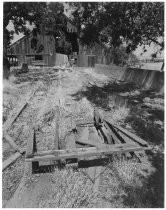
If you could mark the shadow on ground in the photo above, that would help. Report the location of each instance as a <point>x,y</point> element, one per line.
<point>142,120</point>
<point>100,96</point>
<point>151,193</point>
<point>141,117</point>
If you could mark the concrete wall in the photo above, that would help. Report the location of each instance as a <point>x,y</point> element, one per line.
<point>149,79</point>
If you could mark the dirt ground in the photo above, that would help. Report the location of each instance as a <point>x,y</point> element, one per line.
<point>64,97</point>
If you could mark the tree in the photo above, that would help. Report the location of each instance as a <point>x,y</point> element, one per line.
<point>20,14</point>
<point>114,23</point>
<point>39,14</point>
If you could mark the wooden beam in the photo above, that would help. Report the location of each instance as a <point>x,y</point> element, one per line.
<point>30,144</point>
<point>10,160</point>
<point>107,135</point>
<point>87,152</point>
<point>135,138</point>
<point>128,141</point>
<point>131,135</point>
<point>99,121</point>
<point>97,118</point>
<point>90,143</point>
<point>12,117</point>
<point>85,125</point>
<point>115,138</point>
<point>12,143</point>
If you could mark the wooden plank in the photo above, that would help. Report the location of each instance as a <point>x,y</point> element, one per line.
<point>127,133</point>
<point>131,135</point>
<point>12,117</point>
<point>128,141</point>
<point>87,152</point>
<point>106,135</point>
<point>84,149</point>
<point>85,124</point>
<point>10,160</point>
<point>11,142</point>
<point>97,117</point>
<point>90,143</point>
<point>56,122</point>
<point>115,138</point>
<point>30,144</point>
<point>101,135</point>
<point>119,139</point>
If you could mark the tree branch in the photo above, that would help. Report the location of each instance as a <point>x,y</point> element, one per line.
<point>155,41</point>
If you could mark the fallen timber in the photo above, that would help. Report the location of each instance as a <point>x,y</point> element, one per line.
<point>10,160</point>
<point>85,152</point>
<point>8,123</point>
<point>16,112</point>
<point>113,143</point>
<point>109,123</point>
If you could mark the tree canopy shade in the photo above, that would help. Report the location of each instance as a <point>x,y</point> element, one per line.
<point>49,16</point>
<point>114,23</point>
<point>35,13</point>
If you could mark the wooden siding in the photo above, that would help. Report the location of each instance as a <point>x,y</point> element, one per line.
<point>22,49</point>
<point>96,49</point>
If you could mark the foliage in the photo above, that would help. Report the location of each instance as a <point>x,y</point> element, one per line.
<point>119,55</point>
<point>42,15</point>
<point>136,23</point>
<point>63,46</point>
<point>19,14</point>
<point>38,14</point>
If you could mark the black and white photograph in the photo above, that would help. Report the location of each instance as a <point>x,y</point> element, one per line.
<point>83,104</point>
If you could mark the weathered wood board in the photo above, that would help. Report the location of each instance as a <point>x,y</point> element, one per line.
<point>86,152</point>
<point>10,160</point>
<point>30,144</point>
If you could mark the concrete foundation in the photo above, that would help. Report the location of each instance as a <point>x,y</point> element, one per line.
<point>148,79</point>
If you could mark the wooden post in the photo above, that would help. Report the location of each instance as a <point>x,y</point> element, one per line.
<point>30,144</point>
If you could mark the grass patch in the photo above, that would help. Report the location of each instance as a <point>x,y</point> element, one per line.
<point>128,184</point>
<point>70,190</point>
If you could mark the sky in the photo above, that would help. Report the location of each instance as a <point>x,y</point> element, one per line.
<point>138,52</point>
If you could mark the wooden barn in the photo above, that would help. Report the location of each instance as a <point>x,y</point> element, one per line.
<point>38,49</point>
<point>90,55</point>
